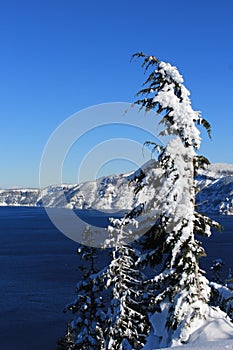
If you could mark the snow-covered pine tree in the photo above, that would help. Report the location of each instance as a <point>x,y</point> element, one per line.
<point>181,291</point>
<point>222,293</point>
<point>66,342</point>
<point>222,296</point>
<point>216,269</point>
<point>229,280</point>
<point>128,321</point>
<point>87,327</point>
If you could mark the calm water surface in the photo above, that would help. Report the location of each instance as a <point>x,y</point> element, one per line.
<point>37,279</point>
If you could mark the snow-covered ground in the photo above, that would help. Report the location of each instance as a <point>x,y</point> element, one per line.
<point>204,345</point>
<point>214,333</point>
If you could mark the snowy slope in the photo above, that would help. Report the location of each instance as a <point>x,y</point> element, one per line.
<point>115,192</point>
<point>211,345</point>
<point>216,184</point>
<point>212,333</point>
<point>17,197</point>
<point>216,334</point>
<point>112,192</point>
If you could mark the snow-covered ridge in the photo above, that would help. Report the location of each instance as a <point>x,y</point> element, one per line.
<point>115,192</point>
<point>216,189</point>
<point>111,192</point>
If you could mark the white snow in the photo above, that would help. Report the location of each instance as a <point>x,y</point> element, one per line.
<point>214,333</point>
<point>211,345</point>
<point>171,71</point>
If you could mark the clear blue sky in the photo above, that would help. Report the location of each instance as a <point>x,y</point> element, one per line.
<point>60,56</point>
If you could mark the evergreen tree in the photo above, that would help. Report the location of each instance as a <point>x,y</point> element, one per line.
<point>222,296</point>
<point>178,295</point>
<point>229,280</point>
<point>128,321</point>
<point>181,291</point>
<point>87,327</point>
<point>216,269</point>
<point>67,342</point>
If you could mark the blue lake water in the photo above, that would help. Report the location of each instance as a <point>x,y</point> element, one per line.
<point>37,279</point>
<point>39,271</point>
